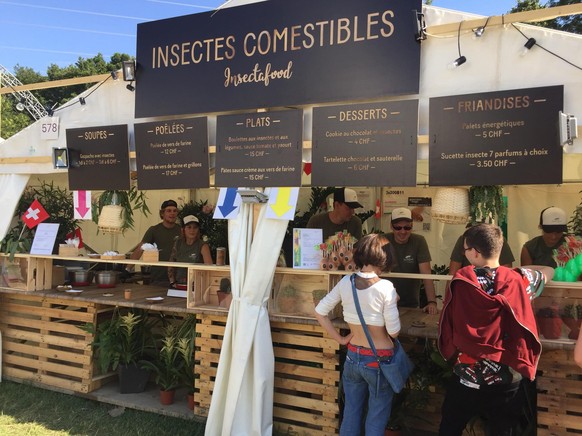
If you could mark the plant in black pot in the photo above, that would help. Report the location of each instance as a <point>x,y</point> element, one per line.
<point>122,343</point>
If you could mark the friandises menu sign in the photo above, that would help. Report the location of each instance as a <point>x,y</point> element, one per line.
<point>259,149</point>
<point>370,144</point>
<point>172,154</point>
<point>98,158</point>
<point>496,138</point>
<point>277,53</point>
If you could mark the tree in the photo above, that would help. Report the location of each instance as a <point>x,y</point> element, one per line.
<point>13,121</point>
<point>571,23</point>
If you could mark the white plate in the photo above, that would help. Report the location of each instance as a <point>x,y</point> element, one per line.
<point>74,291</point>
<point>155,299</point>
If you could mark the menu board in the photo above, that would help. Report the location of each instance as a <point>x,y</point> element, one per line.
<point>370,144</point>
<point>259,149</point>
<point>496,138</point>
<point>98,158</point>
<point>172,154</point>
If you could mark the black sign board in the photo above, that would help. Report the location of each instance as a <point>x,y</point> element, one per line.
<point>259,149</point>
<point>370,144</point>
<point>496,138</point>
<point>172,154</point>
<point>277,53</point>
<point>98,158</point>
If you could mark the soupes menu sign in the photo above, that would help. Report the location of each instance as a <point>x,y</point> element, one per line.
<point>259,149</point>
<point>500,138</point>
<point>372,144</point>
<point>99,158</point>
<point>277,53</point>
<point>172,154</point>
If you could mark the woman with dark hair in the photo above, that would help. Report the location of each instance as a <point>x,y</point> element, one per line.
<point>377,297</point>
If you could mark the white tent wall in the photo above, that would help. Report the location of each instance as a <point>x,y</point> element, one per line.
<point>493,63</point>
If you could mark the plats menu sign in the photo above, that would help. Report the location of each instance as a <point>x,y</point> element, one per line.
<point>172,154</point>
<point>98,158</point>
<point>496,138</point>
<point>369,144</point>
<point>259,149</point>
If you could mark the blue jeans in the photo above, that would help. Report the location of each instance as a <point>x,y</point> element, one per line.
<point>361,383</point>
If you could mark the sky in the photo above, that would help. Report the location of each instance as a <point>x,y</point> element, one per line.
<point>38,33</point>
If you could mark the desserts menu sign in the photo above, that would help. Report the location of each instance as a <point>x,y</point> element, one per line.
<point>496,138</point>
<point>99,158</point>
<point>259,149</point>
<point>172,154</point>
<point>371,144</point>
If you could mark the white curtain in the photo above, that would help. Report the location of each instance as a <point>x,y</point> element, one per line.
<point>242,401</point>
<point>11,188</point>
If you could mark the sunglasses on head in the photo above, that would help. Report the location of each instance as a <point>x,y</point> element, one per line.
<point>402,227</point>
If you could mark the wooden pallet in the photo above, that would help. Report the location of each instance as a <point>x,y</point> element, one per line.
<point>43,344</point>
<point>559,385</point>
<point>306,374</point>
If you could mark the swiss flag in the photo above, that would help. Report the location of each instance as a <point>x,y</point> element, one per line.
<point>34,215</point>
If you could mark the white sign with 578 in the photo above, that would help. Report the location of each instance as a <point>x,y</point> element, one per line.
<point>49,128</point>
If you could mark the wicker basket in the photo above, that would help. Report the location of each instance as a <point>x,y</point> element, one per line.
<point>451,206</point>
<point>111,219</point>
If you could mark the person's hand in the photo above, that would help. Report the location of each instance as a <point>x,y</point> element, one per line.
<point>431,308</point>
<point>345,340</point>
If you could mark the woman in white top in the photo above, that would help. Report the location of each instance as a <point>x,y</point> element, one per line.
<point>378,298</point>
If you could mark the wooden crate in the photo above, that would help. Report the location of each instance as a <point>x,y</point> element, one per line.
<point>292,293</point>
<point>559,385</point>
<point>44,344</point>
<point>306,380</point>
<point>306,374</point>
<point>26,273</point>
<point>204,287</point>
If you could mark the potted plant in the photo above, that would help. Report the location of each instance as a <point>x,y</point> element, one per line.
<point>119,206</point>
<point>318,295</point>
<point>122,343</point>
<point>549,322</point>
<point>186,340</point>
<point>486,204</point>
<point>572,317</point>
<point>167,365</point>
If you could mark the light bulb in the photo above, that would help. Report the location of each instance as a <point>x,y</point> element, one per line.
<point>527,46</point>
<point>457,62</point>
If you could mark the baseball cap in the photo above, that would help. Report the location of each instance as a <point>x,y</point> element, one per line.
<point>190,219</point>
<point>553,219</point>
<point>347,196</point>
<point>168,203</point>
<point>401,213</point>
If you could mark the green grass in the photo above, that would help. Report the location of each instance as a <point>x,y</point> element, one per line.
<point>29,411</point>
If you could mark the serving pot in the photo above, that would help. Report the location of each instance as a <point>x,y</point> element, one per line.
<point>107,279</point>
<point>81,277</point>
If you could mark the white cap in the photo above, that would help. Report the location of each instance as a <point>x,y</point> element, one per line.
<point>554,219</point>
<point>190,219</point>
<point>401,213</point>
<point>347,196</point>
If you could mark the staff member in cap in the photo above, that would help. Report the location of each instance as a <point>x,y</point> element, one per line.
<point>341,218</point>
<point>189,248</point>
<point>539,250</point>
<point>412,256</point>
<point>163,235</point>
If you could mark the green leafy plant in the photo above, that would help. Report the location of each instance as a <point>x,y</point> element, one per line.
<point>167,364</point>
<point>288,291</point>
<point>123,339</point>
<point>486,204</point>
<point>130,201</point>
<point>213,231</point>
<point>186,341</point>
<point>318,294</point>
<point>548,312</point>
<point>57,201</point>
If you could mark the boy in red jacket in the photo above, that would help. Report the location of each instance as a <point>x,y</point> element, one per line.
<point>488,331</point>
